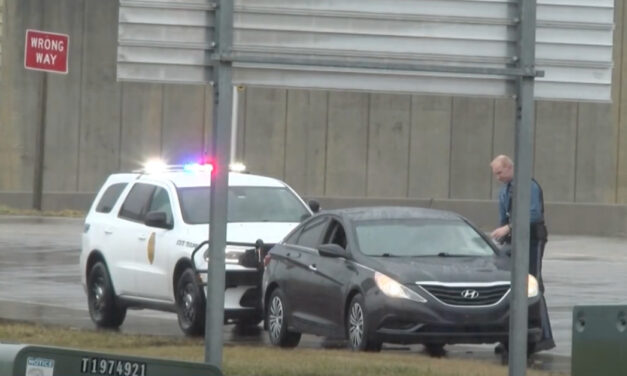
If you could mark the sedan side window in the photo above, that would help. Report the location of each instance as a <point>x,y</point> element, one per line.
<point>336,234</point>
<point>136,203</point>
<point>292,237</point>
<point>161,203</point>
<point>311,235</point>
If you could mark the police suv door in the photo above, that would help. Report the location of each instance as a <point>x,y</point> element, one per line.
<point>153,278</point>
<point>128,238</point>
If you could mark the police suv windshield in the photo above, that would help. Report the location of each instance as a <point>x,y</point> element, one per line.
<point>245,204</point>
<point>420,238</point>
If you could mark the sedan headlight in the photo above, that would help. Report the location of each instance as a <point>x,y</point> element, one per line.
<point>394,289</point>
<point>532,286</point>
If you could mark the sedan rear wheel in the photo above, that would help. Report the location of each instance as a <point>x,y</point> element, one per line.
<point>277,323</point>
<point>435,350</point>
<point>359,337</point>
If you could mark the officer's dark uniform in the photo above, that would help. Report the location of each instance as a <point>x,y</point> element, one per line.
<point>538,238</point>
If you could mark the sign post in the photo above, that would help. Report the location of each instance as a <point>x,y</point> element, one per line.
<point>46,52</point>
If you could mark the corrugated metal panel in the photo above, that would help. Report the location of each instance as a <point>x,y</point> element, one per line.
<point>165,41</point>
<point>574,44</point>
<point>574,48</point>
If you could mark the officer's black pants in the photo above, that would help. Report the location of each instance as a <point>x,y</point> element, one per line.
<point>536,252</point>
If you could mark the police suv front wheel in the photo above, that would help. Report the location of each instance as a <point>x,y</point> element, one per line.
<point>190,304</point>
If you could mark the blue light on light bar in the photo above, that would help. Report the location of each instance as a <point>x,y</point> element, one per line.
<point>197,167</point>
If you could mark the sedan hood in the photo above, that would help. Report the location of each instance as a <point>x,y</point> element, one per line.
<point>409,270</point>
<point>249,232</point>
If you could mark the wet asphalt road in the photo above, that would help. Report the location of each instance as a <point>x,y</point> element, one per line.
<point>40,282</point>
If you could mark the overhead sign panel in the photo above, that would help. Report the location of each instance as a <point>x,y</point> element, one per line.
<point>165,41</point>
<point>364,45</point>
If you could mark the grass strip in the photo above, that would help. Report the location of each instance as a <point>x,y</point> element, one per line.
<point>254,360</point>
<point>5,210</point>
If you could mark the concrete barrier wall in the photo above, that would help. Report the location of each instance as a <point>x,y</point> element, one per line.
<point>325,144</point>
<point>1,30</point>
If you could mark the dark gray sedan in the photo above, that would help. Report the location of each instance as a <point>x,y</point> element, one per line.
<point>390,274</point>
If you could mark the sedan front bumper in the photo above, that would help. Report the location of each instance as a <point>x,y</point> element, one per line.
<point>405,321</point>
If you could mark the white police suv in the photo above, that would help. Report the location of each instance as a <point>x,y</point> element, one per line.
<point>142,228</point>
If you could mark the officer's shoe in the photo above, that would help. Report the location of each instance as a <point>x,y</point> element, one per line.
<point>500,349</point>
<point>543,345</point>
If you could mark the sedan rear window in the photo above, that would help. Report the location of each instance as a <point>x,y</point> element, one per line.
<point>419,238</point>
<point>245,204</point>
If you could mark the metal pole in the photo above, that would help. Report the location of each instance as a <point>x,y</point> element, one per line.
<point>223,88</point>
<point>234,124</point>
<point>522,189</point>
<point>40,145</point>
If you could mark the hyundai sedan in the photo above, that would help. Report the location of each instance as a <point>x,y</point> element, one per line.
<point>390,274</point>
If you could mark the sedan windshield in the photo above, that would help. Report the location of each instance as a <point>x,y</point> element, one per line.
<point>245,204</point>
<point>420,237</point>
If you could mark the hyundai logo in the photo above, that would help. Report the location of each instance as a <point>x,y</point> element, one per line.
<point>470,294</point>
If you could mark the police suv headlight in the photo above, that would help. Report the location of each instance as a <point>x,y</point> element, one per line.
<point>231,256</point>
<point>394,289</point>
<point>532,286</point>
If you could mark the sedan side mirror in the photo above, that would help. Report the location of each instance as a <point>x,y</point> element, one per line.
<point>506,249</point>
<point>331,250</point>
<point>314,206</point>
<point>157,219</point>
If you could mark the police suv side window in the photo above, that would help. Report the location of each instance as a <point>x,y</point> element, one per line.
<point>136,203</point>
<point>110,197</point>
<point>312,234</point>
<point>161,203</point>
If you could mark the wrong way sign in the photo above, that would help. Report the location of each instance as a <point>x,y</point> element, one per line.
<point>46,51</point>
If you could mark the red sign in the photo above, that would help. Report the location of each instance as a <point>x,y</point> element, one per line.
<point>46,51</point>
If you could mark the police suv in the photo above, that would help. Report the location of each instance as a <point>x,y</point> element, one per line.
<point>143,227</point>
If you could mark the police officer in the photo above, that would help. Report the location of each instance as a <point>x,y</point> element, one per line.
<point>503,170</point>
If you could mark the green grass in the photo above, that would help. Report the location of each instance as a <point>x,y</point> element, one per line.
<point>254,361</point>
<point>5,210</point>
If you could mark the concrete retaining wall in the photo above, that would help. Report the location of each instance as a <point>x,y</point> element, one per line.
<point>324,144</point>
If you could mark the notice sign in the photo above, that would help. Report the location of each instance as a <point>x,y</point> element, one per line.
<point>46,51</point>
<point>39,367</point>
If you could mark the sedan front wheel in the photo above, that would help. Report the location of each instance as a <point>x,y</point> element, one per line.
<point>359,337</point>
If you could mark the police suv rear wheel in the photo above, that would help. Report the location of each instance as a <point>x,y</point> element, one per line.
<point>104,309</point>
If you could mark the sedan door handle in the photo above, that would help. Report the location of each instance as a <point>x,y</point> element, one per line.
<point>142,237</point>
<point>108,232</point>
<point>313,267</point>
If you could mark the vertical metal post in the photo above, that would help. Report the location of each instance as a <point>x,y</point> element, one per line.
<point>234,124</point>
<point>223,88</point>
<point>40,145</point>
<point>522,188</point>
